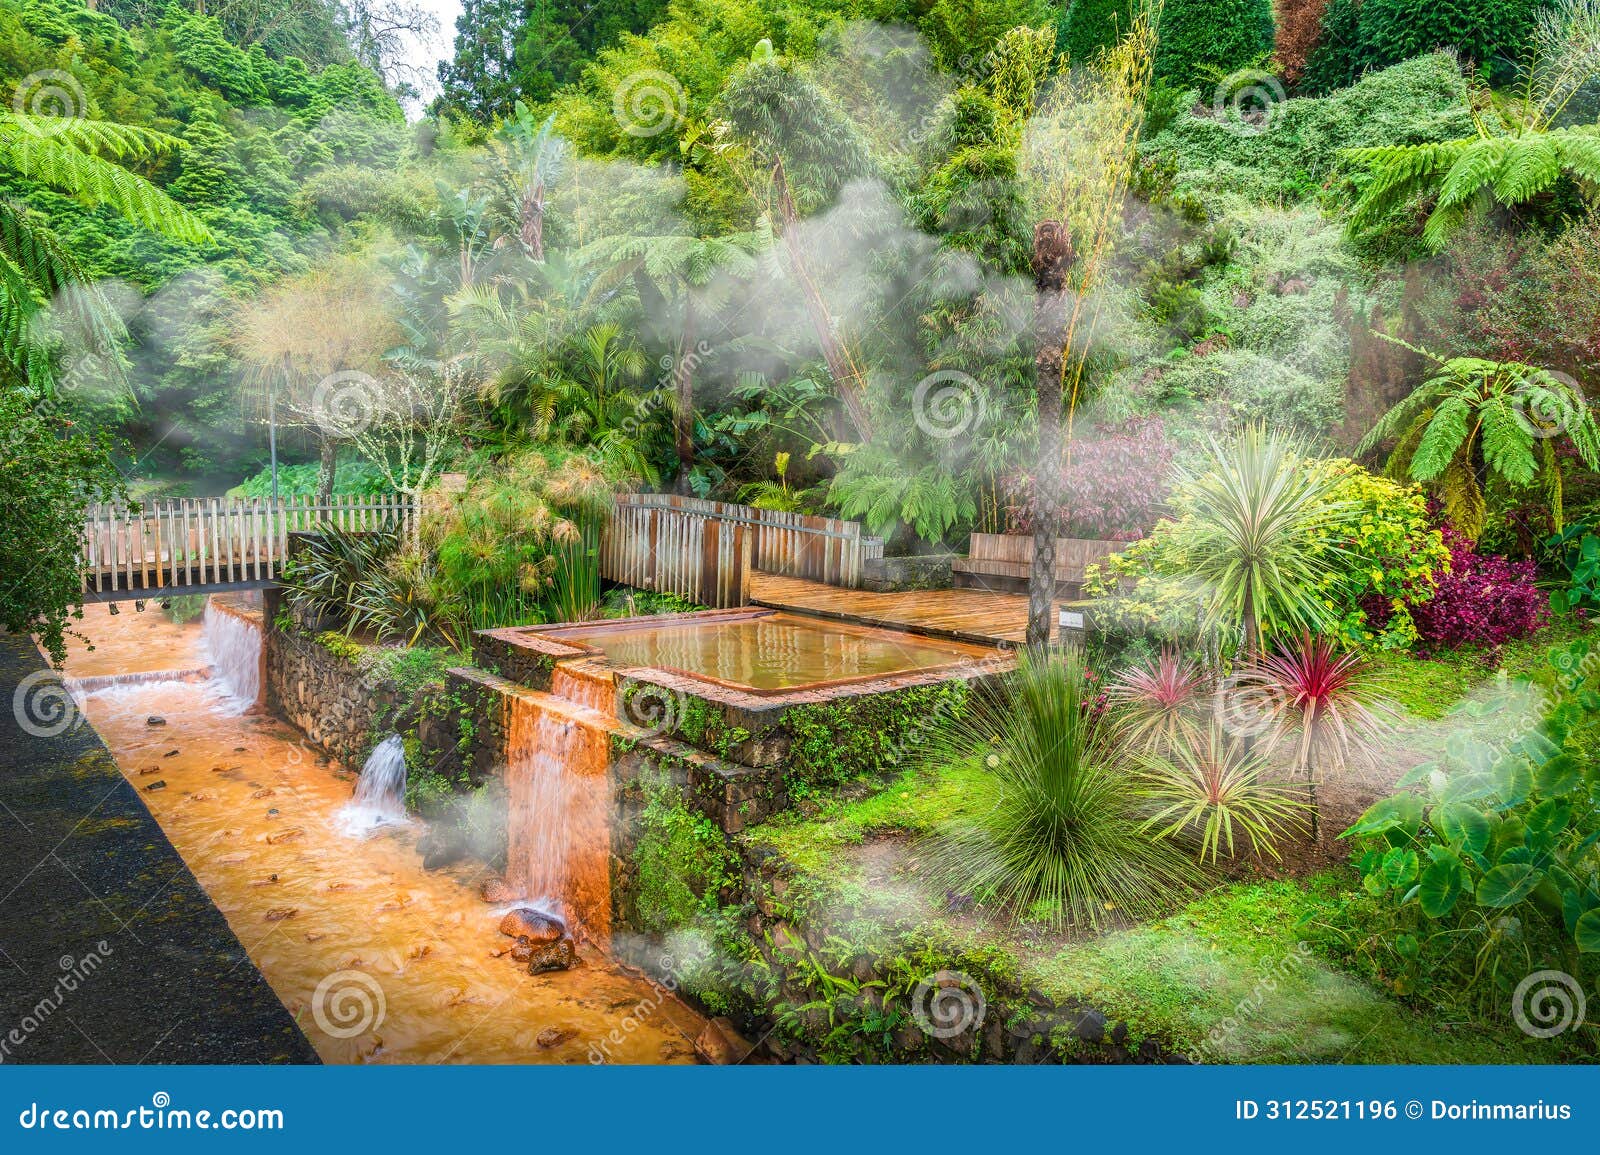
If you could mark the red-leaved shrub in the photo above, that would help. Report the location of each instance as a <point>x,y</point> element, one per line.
<point>1485,600</point>
<point>1299,31</point>
<point>1112,491</point>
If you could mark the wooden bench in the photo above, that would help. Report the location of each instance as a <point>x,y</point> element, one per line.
<point>1002,562</point>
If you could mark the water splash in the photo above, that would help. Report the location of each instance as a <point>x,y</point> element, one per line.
<point>380,797</point>
<point>233,641</point>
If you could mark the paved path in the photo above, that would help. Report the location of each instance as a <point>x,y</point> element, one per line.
<point>110,952</point>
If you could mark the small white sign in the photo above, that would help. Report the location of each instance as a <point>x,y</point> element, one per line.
<point>1071,619</point>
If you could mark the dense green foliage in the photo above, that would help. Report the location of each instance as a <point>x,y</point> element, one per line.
<point>1487,865</point>
<point>1209,39</point>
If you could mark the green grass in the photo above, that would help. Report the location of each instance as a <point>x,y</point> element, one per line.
<point>1250,972</point>
<point>1238,976</point>
<point>1429,687</point>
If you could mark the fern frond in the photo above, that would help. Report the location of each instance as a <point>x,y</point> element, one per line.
<point>1507,440</point>
<point>122,141</point>
<point>84,175</point>
<point>1531,165</point>
<point>1443,439</point>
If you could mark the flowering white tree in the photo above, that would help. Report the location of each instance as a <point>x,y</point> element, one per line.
<point>404,421</point>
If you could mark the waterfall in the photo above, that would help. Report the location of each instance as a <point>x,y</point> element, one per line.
<point>380,797</point>
<point>558,839</point>
<point>234,643</point>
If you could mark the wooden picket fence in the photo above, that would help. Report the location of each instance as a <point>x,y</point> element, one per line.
<point>193,544</point>
<point>658,537</point>
<point>675,551</point>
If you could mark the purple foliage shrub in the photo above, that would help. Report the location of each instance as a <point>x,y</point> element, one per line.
<point>1112,491</point>
<point>1484,600</point>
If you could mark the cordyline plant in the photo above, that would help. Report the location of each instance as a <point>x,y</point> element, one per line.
<point>1253,534</point>
<point>1210,787</point>
<point>1156,704</point>
<point>1318,702</point>
<point>1058,834</point>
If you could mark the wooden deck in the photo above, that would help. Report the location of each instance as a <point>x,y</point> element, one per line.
<point>977,616</point>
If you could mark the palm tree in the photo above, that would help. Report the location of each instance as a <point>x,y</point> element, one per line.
<point>82,158</point>
<point>691,268</point>
<point>1080,149</point>
<point>1474,417</point>
<point>1251,532</point>
<point>1513,159</point>
<point>597,406</point>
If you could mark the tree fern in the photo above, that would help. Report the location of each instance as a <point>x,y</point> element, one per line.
<point>1477,415</point>
<point>1512,162</point>
<point>36,271</point>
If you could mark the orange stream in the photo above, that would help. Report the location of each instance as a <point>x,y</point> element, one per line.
<point>405,957</point>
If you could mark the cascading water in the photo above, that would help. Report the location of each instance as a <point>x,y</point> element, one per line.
<point>558,826</point>
<point>234,643</point>
<point>380,797</point>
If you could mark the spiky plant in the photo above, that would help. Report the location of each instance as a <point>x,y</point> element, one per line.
<point>1059,835</point>
<point>1473,416</point>
<point>1321,703</point>
<point>84,159</point>
<point>1515,158</point>
<point>1209,788</point>
<point>1250,510</point>
<point>1155,703</point>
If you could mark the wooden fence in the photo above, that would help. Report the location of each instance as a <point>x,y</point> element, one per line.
<point>823,549</point>
<point>676,551</point>
<point>196,543</point>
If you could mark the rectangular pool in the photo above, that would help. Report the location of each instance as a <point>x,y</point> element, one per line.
<point>766,651</point>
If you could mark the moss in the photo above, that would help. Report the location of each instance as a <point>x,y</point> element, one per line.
<point>681,862</point>
<point>1251,972</point>
<point>344,648</point>
<point>1431,687</point>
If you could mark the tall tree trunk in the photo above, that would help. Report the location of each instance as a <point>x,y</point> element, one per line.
<point>844,377</point>
<point>533,221</point>
<point>1052,257</point>
<point>327,462</point>
<point>683,389</point>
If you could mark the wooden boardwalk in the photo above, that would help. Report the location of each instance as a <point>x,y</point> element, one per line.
<point>977,616</point>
